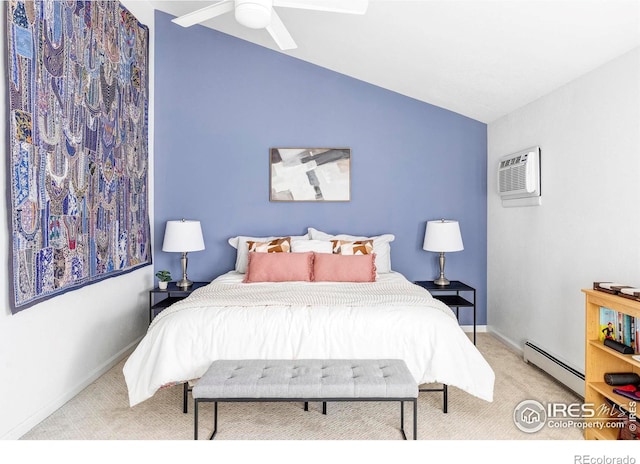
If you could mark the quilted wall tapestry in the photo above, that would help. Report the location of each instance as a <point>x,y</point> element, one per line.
<point>78,145</point>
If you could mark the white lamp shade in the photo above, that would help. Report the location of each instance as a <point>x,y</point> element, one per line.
<point>442,235</point>
<point>183,236</point>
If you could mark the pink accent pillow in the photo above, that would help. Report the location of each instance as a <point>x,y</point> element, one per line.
<point>344,268</point>
<point>279,267</point>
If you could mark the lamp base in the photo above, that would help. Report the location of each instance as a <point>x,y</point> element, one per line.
<point>442,281</point>
<point>184,283</point>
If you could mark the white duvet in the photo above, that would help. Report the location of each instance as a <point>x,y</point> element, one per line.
<point>227,319</point>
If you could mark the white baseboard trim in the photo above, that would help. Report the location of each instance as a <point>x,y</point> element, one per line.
<point>469,328</point>
<point>47,410</point>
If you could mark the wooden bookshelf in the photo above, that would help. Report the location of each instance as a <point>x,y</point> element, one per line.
<point>600,360</point>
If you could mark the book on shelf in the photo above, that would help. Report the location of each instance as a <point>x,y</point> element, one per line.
<point>620,327</point>
<point>608,323</point>
<point>620,315</point>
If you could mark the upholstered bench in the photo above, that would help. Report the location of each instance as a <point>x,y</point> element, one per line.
<point>306,380</point>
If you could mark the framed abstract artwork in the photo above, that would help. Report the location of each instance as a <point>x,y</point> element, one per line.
<point>310,174</point>
<point>77,157</point>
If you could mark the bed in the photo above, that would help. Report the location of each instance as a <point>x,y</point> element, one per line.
<point>229,319</point>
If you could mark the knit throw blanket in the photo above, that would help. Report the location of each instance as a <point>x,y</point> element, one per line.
<point>304,294</point>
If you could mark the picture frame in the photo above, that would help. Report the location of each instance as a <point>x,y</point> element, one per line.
<point>310,174</point>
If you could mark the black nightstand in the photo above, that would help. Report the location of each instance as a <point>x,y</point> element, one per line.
<point>444,294</point>
<point>172,294</point>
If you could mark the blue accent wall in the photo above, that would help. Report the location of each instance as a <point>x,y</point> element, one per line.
<point>221,103</point>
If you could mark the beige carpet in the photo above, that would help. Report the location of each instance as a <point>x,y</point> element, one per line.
<point>101,412</point>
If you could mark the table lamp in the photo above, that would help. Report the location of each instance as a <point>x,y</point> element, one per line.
<point>442,236</point>
<point>183,236</point>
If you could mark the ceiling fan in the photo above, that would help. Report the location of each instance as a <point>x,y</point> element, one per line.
<point>259,14</point>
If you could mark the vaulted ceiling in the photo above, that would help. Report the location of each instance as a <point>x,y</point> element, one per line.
<point>479,58</point>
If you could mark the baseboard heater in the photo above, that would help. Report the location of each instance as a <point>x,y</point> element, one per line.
<point>559,370</point>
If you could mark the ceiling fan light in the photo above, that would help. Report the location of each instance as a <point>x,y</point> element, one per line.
<point>253,15</point>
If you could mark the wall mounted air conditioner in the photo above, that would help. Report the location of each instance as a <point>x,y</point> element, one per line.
<point>519,178</point>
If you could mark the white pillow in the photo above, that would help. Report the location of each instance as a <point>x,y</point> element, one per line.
<point>381,246</point>
<point>240,244</point>
<point>317,246</point>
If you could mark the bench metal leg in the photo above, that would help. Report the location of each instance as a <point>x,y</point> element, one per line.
<point>215,420</point>
<point>404,435</point>
<point>196,404</point>
<point>185,396</point>
<point>195,419</point>
<point>445,400</point>
<point>324,407</point>
<point>415,419</point>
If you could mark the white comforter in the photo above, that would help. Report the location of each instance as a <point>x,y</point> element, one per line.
<point>390,318</point>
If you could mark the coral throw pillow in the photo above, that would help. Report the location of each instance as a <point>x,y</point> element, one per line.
<point>344,268</point>
<point>279,267</point>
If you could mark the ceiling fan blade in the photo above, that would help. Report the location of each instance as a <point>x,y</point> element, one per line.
<point>334,6</point>
<point>280,33</point>
<point>203,14</point>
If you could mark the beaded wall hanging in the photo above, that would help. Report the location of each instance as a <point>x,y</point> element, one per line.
<point>78,145</point>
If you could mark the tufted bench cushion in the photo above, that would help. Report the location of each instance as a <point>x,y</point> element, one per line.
<point>308,379</point>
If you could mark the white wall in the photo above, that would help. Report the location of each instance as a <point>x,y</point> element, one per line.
<point>50,352</point>
<point>587,228</point>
